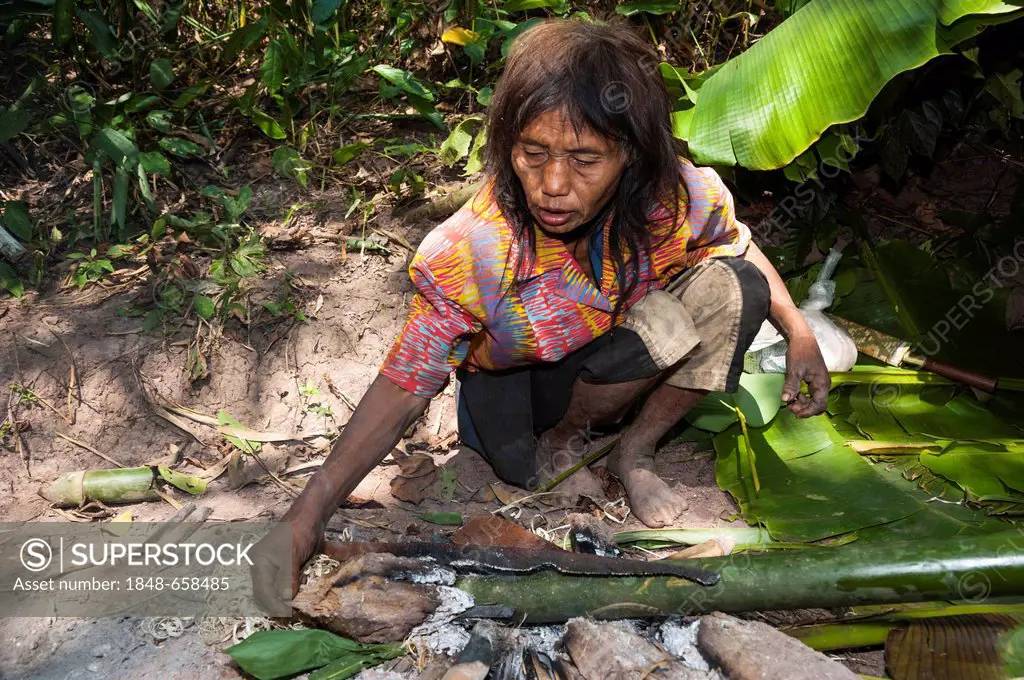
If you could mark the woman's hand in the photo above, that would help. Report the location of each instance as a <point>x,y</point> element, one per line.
<point>804,364</point>
<point>379,421</point>
<point>276,573</point>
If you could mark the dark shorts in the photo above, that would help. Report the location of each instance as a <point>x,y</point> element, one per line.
<point>698,344</point>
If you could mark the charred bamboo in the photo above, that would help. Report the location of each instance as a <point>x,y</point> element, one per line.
<point>857,574</point>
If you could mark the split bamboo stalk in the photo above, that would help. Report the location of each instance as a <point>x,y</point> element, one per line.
<point>877,573</point>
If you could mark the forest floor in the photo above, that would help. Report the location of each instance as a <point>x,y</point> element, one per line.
<point>270,376</point>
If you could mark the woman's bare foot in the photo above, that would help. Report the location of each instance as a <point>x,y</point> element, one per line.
<point>652,500</point>
<point>555,455</point>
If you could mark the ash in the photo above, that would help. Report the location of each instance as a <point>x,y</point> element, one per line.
<point>439,633</point>
<point>435,574</point>
<point>679,638</point>
<point>543,638</point>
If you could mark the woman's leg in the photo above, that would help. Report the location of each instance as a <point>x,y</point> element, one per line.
<point>727,300</point>
<point>565,444</point>
<point>503,415</point>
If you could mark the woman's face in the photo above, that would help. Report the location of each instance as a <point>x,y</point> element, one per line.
<point>567,177</point>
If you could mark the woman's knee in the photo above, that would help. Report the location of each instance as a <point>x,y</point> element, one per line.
<point>757,296</point>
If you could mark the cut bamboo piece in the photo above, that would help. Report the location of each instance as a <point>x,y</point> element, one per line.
<point>124,485</point>
<point>876,573</point>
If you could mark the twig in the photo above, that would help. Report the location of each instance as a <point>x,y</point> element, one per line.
<point>45,403</point>
<point>601,452</point>
<point>445,204</point>
<point>85,446</point>
<point>12,420</point>
<point>273,476</point>
<point>72,378</point>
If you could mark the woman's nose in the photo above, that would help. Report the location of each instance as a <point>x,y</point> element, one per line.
<point>556,177</point>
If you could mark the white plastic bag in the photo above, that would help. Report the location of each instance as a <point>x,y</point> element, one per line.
<point>837,347</point>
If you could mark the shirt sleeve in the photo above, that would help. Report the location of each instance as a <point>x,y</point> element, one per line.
<point>431,343</point>
<point>715,231</point>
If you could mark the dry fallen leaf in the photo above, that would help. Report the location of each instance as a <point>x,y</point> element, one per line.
<point>417,478</point>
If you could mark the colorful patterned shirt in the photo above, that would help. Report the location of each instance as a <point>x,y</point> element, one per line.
<point>467,313</point>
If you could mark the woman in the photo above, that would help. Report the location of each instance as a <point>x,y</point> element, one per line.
<point>596,269</point>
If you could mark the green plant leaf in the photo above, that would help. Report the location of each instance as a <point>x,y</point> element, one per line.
<point>271,654</point>
<point>13,121</point>
<point>427,109</point>
<point>159,120</point>
<point>267,125</point>
<point>740,119</point>
<point>404,81</point>
<point>350,664</point>
<point>524,5</point>
<point>18,220</point>
<point>112,144</point>
<point>204,306</point>
<point>323,10</point>
<point>10,281</point>
<point>475,162</point>
<point>484,96</point>
<point>100,35</point>
<point>806,498</point>
<point>449,478</point>
<point>443,518</point>
<point>272,69</point>
<point>289,163</point>
<point>190,95</point>
<point>154,162</point>
<point>1011,651</point>
<point>161,73</point>
<point>348,152</point>
<point>243,38</point>
<point>243,445</point>
<point>141,102</point>
<point>984,472</point>
<point>247,260</point>
<point>152,320</point>
<point>648,7</point>
<point>457,146</point>
<point>187,483</point>
<point>119,202</point>
<point>759,397</point>
<point>117,251</point>
<point>236,206</point>
<point>182,148</point>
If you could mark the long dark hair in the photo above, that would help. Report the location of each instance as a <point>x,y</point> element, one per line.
<point>605,77</point>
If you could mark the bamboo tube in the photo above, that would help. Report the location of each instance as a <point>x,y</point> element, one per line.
<point>125,485</point>
<point>877,573</point>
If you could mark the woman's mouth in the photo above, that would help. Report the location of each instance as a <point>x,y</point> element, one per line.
<point>555,218</point>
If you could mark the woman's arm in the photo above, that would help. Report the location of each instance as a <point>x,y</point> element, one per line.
<point>379,421</point>
<point>804,362</point>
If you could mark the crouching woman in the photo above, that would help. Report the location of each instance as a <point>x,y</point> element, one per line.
<point>596,270</point>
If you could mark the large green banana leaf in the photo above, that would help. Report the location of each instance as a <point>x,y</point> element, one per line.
<point>806,496</point>
<point>821,66</point>
<point>804,480</point>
